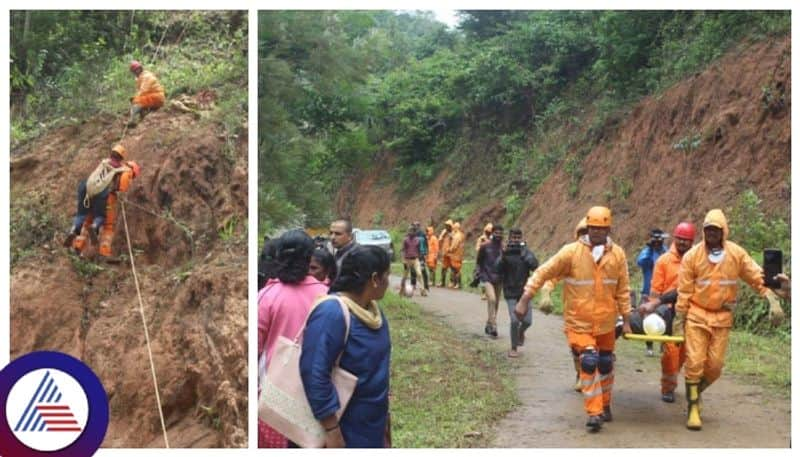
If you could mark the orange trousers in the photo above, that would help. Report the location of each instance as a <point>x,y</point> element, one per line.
<point>671,361</point>
<point>106,232</point>
<point>596,387</point>
<point>149,101</point>
<point>705,351</point>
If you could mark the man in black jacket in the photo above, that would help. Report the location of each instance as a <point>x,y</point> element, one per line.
<point>513,267</point>
<point>486,274</point>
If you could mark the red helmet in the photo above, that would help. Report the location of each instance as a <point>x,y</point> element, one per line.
<point>684,230</point>
<point>135,65</point>
<point>137,170</point>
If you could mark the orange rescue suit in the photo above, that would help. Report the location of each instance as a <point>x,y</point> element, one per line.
<point>456,250</point>
<point>665,278</point>
<point>594,293</point>
<point>120,184</point>
<point>445,239</point>
<point>707,297</point>
<point>149,93</point>
<point>433,248</point>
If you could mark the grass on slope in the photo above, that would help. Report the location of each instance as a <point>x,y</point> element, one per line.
<point>764,360</point>
<point>444,387</point>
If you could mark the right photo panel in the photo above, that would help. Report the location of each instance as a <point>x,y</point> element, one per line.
<point>510,228</point>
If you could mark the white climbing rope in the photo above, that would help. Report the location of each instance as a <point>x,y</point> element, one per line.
<point>144,323</point>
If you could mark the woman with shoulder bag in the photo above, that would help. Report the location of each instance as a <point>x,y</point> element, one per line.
<point>362,280</point>
<point>283,305</point>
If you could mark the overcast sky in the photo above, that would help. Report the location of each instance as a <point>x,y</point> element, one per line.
<point>446,16</point>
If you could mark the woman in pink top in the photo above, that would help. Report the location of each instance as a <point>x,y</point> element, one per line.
<point>283,305</point>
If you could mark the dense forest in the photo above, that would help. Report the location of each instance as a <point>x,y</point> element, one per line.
<point>339,90</point>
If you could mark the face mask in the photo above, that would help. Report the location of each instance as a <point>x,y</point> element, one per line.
<point>716,255</point>
<point>597,252</point>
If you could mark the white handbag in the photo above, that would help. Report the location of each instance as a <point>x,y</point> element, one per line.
<point>282,403</point>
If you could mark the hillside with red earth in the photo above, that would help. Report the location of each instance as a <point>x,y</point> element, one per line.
<point>186,213</point>
<point>696,146</point>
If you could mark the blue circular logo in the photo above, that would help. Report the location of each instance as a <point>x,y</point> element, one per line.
<point>55,406</point>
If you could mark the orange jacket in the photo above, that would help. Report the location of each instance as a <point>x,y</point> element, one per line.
<point>147,85</point>
<point>594,293</point>
<point>445,239</point>
<point>550,285</point>
<point>665,272</point>
<point>706,291</point>
<point>456,250</point>
<point>433,246</point>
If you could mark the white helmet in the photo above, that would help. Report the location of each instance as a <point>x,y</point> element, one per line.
<point>654,325</point>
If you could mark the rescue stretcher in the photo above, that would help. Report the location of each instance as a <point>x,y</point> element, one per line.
<point>654,338</point>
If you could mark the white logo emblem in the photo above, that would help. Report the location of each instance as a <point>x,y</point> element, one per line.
<point>47,409</point>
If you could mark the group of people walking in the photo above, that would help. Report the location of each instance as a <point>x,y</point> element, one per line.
<point>697,284</point>
<point>422,251</point>
<point>693,286</point>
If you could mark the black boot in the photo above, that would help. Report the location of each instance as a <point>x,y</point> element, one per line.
<point>594,424</point>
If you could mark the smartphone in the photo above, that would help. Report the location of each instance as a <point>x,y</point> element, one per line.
<point>773,265</point>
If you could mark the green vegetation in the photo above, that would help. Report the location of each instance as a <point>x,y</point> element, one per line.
<point>767,360</point>
<point>32,222</point>
<point>233,231</point>
<point>68,66</point>
<point>443,385</point>
<point>504,89</point>
<point>85,267</point>
<point>751,228</point>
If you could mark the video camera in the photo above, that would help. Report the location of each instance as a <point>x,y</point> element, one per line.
<point>514,248</point>
<point>657,236</point>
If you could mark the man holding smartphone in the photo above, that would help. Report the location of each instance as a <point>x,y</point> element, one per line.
<point>514,266</point>
<point>707,290</point>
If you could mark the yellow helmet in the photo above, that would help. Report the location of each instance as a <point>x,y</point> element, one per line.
<point>448,222</point>
<point>120,149</point>
<point>599,216</point>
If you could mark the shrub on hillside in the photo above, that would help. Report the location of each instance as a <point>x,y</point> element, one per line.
<point>32,225</point>
<point>751,228</point>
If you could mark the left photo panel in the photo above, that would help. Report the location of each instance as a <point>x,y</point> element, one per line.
<point>128,235</point>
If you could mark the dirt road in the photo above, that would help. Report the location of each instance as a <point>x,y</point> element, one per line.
<point>551,414</point>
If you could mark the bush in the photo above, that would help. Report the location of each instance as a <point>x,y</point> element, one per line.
<point>753,230</point>
<point>74,65</point>
<point>32,223</point>
<point>513,206</point>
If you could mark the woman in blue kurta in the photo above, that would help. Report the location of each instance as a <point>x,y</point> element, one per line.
<point>363,279</point>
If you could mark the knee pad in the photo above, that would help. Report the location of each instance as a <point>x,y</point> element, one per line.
<point>589,361</point>
<point>605,362</point>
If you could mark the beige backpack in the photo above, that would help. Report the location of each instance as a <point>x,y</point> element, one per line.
<point>100,179</point>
